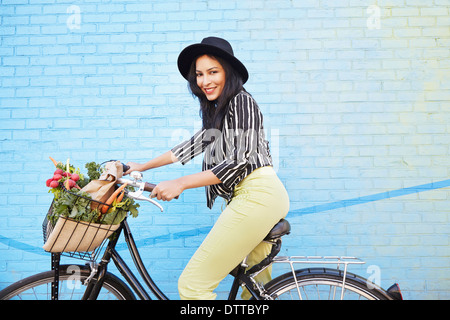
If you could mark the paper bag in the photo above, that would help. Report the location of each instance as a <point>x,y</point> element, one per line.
<point>103,188</point>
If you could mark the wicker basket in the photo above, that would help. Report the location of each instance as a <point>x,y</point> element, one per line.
<point>78,236</point>
<point>78,239</point>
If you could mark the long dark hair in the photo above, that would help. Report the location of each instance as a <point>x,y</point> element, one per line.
<point>213,112</point>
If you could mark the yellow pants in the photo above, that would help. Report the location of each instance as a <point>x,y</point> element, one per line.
<point>259,202</point>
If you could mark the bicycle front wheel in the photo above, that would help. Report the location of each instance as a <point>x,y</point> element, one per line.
<point>71,286</point>
<point>323,284</point>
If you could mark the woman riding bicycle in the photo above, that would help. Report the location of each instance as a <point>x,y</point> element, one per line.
<point>237,166</point>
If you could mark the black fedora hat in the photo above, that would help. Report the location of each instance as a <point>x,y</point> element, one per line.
<point>212,45</point>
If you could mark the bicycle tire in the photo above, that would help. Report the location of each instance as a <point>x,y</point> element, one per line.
<point>38,285</point>
<point>315,283</point>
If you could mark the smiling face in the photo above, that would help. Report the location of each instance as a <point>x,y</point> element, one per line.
<point>210,76</point>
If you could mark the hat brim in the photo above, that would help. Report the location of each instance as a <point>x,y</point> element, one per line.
<point>193,51</point>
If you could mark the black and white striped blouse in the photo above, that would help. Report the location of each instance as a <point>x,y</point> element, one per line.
<point>233,152</point>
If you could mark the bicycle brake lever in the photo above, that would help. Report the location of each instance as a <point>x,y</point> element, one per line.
<point>138,196</point>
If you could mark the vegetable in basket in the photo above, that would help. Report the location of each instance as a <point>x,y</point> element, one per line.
<point>72,202</point>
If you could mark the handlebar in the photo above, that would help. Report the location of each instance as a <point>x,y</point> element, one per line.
<point>147,187</point>
<point>142,185</point>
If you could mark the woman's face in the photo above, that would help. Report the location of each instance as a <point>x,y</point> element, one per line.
<point>210,77</point>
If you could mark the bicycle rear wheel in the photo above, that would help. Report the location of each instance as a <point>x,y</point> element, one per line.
<point>322,284</point>
<point>71,280</point>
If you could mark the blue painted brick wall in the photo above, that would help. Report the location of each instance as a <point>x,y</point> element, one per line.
<point>356,101</point>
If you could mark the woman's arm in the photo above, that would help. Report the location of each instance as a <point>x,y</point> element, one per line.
<point>167,190</point>
<point>183,152</point>
<point>162,160</point>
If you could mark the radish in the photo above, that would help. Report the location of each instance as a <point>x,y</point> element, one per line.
<point>47,183</point>
<point>54,184</point>
<point>56,177</point>
<point>71,183</point>
<point>58,171</point>
<point>75,177</point>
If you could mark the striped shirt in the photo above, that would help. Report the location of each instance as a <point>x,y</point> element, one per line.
<point>233,152</point>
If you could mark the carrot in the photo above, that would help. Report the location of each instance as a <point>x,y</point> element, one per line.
<point>54,161</point>
<point>112,197</point>
<point>120,197</point>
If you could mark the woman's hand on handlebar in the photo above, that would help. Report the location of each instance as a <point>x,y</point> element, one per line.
<point>134,166</point>
<point>167,190</point>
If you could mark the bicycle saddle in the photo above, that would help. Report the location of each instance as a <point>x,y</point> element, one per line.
<point>280,229</point>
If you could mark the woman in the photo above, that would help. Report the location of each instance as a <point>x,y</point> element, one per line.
<point>237,166</point>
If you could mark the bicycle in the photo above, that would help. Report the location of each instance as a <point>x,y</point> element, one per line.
<point>92,281</point>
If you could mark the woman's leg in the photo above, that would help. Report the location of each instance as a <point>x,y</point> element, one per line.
<point>241,227</point>
<point>261,251</point>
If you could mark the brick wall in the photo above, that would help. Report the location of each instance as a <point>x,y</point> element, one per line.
<point>355,96</point>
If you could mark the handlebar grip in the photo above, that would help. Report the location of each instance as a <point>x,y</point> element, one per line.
<point>125,167</point>
<point>149,187</point>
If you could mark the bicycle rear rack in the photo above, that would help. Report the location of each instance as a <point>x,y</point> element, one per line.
<point>327,260</point>
<point>337,260</point>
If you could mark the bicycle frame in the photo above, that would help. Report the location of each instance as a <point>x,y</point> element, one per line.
<point>242,277</point>
<point>94,286</point>
<point>96,283</point>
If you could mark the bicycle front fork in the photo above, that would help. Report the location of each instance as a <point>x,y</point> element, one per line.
<point>94,282</point>
<point>56,257</point>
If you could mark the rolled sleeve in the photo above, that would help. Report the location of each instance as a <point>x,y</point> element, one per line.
<point>187,150</point>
